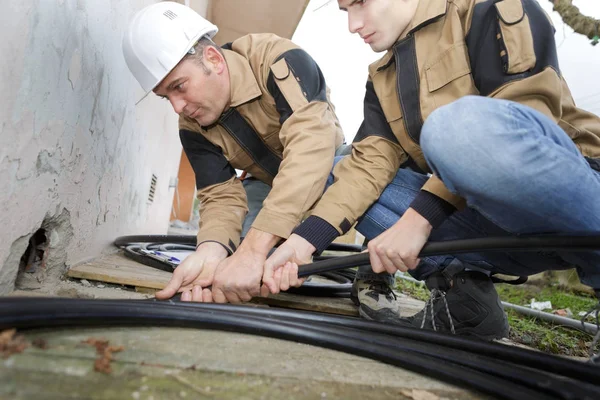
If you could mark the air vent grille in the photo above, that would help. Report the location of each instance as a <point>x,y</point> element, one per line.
<point>152,191</point>
<point>170,14</point>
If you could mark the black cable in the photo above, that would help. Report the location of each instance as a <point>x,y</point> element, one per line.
<point>538,380</point>
<point>509,243</point>
<point>314,289</point>
<point>133,252</point>
<point>30,313</point>
<point>526,357</point>
<point>124,241</point>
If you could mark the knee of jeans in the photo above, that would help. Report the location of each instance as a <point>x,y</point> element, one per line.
<point>449,130</point>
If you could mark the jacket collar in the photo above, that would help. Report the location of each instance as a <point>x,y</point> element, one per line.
<point>427,12</point>
<point>241,78</point>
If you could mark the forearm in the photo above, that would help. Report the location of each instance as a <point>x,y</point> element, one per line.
<point>259,242</point>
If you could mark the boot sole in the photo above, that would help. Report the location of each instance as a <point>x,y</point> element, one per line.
<point>390,320</point>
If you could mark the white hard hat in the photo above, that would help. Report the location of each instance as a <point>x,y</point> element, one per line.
<point>158,37</point>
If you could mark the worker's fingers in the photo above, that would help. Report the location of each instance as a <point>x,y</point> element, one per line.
<point>218,296</point>
<point>277,280</point>
<point>232,297</point>
<point>197,293</point>
<point>397,263</point>
<point>388,264</point>
<point>275,262</point>
<point>264,291</point>
<point>245,296</point>
<point>207,296</point>
<point>285,277</point>
<point>293,276</point>
<point>376,264</point>
<point>186,295</point>
<point>268,275</point>
<point>172,287</point>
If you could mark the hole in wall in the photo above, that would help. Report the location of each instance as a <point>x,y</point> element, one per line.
<point>35,255</point>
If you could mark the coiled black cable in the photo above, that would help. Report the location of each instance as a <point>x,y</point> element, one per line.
<point>502,379</point>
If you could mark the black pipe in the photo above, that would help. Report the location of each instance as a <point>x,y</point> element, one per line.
<point>30,313</point>
<point>124,241</point>
<point>509,243</point>
<point>526,357</point>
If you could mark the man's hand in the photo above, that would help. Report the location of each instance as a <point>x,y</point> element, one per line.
<point>238,277</point>
<point>281,269</point>
<point>398,248</point>
<point>195,273</point>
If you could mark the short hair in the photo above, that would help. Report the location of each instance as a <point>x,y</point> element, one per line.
<point>197,50</point>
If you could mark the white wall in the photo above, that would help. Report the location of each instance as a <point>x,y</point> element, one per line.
<point>76,154</point>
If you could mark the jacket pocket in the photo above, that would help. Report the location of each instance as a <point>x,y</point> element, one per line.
<point>391,108</point>
<point>449,66</point>
<point>515,37</point>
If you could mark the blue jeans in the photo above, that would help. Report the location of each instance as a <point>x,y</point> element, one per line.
<point>257,191</point>
<point>520,174</point>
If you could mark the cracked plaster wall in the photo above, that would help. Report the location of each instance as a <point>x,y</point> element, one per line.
<point>71,137</point>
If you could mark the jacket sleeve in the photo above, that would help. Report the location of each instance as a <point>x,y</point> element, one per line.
<point>360,178</point>
<point>513,57</point>
<point>223,204</point>
<point>309,132</point>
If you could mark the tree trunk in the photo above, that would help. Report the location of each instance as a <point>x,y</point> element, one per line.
<point>580,23</point>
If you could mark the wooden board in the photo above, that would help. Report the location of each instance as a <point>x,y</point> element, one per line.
<point>329,305</point>
<point>116,268</point>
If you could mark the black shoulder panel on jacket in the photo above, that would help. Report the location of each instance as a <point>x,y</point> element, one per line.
<point>374,122</point>
<point>209,164</point>
<point>309,76</point>
<point>485,47</point>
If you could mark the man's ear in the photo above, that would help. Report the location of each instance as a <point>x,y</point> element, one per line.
<point>214,58</point>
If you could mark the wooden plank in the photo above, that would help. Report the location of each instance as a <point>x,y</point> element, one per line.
<point>329,305</point>
<point>116,268</point>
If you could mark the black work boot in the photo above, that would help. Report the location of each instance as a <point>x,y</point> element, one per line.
<point>465,303</point>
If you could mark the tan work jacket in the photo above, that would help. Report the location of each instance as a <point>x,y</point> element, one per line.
<point>452,48</point>
<point>280,127</point>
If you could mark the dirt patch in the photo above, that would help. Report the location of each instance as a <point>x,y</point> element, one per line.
<point>11,343</point>
<point>105,353</point>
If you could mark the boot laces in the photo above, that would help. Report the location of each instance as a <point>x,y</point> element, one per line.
<point>595,311</point>
<point>384,288</point>
<point>436,294</point>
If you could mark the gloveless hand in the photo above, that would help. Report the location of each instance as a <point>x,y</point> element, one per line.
<point>398,248</point>
<point>195,273</point>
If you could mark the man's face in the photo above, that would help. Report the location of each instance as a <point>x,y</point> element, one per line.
<point>379,22</point>
<point>200,92</point>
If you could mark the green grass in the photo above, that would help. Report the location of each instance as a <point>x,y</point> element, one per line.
<point>541,334</point>
<point>530,331</point>
<point>412,289</point>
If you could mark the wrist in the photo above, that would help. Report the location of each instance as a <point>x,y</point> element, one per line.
<point>258,242</point>
<point>416,220</point>
<point>303,247</point>
<point>214,248</point>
